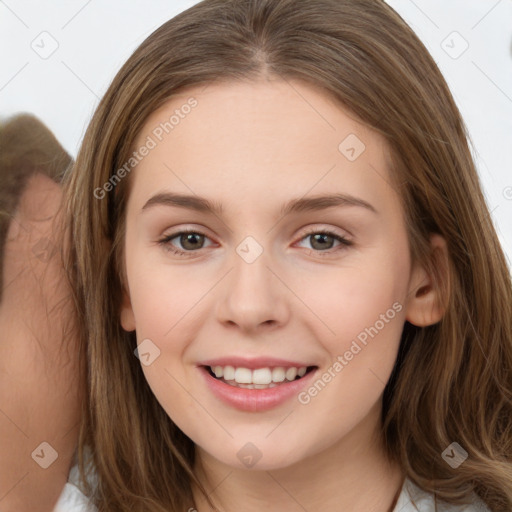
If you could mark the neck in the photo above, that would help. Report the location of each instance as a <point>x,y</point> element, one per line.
<point>353,474</point>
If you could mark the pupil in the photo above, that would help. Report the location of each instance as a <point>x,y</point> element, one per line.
<point>322,238</point>
<point>189,238</point>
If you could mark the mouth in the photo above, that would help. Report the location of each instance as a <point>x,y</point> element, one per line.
<point>258,378</point>
<point>256,384</point>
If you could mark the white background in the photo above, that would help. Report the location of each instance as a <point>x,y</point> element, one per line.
<point>92,39</point>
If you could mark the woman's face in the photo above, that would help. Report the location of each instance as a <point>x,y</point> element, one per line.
<point>275,280</point>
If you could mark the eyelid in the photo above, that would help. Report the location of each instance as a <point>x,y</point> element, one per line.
<point>322,228</point>
<point>186,229</point>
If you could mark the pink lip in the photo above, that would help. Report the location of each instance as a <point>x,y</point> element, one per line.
<point>255,400</point>
<point>252,364</point>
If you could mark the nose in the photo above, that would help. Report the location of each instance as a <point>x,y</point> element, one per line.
<point>253,296</point>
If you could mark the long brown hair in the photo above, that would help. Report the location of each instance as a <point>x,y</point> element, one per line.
<point>451,382</point>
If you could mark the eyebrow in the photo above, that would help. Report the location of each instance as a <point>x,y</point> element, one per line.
<point>303,204</point>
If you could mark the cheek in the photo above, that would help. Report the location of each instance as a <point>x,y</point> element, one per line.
<point>364,312</point>
<point>350,299</point>
<point>164,303</point>
<point>161,296</point>
<point>163,309</point>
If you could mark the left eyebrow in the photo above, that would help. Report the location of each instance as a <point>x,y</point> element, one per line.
<point>314,203</point>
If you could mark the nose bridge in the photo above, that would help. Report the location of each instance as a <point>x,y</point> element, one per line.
<point>252,294</point>
<point>251,275</point>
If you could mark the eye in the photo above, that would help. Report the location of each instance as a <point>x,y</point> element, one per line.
<point>322,240</point>
<point>191,240</point>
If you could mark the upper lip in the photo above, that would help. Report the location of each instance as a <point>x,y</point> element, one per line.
<point>253,363</point>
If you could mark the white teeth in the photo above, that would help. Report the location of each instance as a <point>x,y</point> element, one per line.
<point>243,376</point>
<point>291,373</point>
<point>229,373</point>
<point>251,386</point>
<point>278,374</point>
<point>259,378</point>
<point>262,376</point>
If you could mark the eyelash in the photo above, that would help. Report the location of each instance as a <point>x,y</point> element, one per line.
<point>164,242</point>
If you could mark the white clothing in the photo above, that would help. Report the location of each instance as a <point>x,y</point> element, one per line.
<point>72,500</point>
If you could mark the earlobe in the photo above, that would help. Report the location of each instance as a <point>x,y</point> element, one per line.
<point>425,303</point>
<point>127,317</point>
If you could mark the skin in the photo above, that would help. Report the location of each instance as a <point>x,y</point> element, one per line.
<point>39,398</point>
<point>253,147</point>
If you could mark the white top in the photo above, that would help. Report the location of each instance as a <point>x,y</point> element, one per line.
<point>72,500</point>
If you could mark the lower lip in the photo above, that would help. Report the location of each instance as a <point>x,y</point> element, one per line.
<point>255,400</point>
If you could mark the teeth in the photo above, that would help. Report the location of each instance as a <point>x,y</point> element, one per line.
<point>259,378</point>
<point>251,386</point>
<point>262,376</point>
<point>291,373</point>
<point>243,376</point>
<point>229,372</point>
<point>278,374</point>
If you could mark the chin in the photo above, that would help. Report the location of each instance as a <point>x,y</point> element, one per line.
<point>254,456</point>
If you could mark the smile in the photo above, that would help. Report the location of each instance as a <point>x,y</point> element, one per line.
<point>259,378</point>
<point>259,389</point>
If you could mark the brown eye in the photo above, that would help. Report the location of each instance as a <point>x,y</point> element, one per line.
<point>188,242</point>
<point>322,242</point>
<point>191,241</point>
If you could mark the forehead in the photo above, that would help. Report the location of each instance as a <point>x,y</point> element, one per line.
<point>255,109</point>
<point>251,136</point>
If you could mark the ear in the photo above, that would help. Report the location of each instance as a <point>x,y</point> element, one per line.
<point>126,314</point>
<point>424,306</point>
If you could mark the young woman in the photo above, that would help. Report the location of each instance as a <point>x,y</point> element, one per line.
<point>290,289</point>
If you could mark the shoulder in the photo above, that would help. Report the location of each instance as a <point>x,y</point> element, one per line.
<point>72,499</point>
<point>414,499</point>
